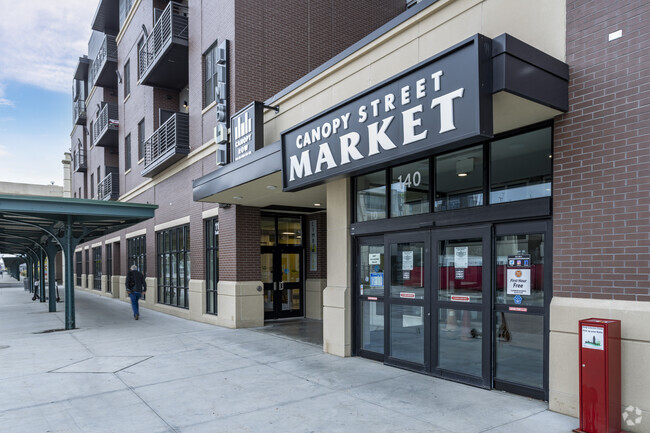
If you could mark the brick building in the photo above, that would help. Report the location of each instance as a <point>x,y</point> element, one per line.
<point>449,187</point>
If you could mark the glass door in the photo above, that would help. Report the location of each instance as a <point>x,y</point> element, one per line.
<point>521,301</point>
<point>461,305</point>
<point>370,273</point>
<point>282,266</point>
<point>406,307</point>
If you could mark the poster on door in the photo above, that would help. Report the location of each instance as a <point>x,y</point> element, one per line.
<point>407,260</point>
<point>461,257</point>
<point>518,282</point>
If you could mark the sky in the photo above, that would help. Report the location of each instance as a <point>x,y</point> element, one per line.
<point>40,44</point>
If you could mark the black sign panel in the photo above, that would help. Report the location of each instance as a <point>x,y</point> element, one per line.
<point>246,131</point>
<point>444,100</point>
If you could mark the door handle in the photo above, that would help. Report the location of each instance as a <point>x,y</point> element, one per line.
<point>281,285</point>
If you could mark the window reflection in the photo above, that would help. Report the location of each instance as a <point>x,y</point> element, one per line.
<point>371,196</point>
<point>459,179</point>
<point>409,189</point>
<point>520,167</point>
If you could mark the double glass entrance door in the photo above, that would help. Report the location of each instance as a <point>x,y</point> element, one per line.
<point>282,266</point>
<point>439,302</point>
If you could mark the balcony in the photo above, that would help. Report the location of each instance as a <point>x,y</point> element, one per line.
<point>169,144</point>
<point>106,126</point>
<point>163,56</point>
<point>109,187</point>
<point>102,70</point>
<point>79,163</point>
<point>79,112</point>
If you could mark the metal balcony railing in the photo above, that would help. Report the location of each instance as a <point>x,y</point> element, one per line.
<point>79,112</point>
<point>106,121</point>
<point>170,143</point>
<point>79,159</point>
<point>108,188</point>
<point>107,53</point>
<point>168,41</point>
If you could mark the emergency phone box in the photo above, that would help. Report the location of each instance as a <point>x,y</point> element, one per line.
<point>600,376</point>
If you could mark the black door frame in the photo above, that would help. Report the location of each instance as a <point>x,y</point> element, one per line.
<point>277,250</point>
<point>423,236</point>
<point>524,228</point>
<point>485,307</point>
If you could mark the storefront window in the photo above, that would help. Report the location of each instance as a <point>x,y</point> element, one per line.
<point>371,196</point>
<point>459,179</point>
<point>520,167</point>
<point>409,189</point>
<point>289,231</point>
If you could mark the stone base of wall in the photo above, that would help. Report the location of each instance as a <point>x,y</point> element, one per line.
<point>635,353</point>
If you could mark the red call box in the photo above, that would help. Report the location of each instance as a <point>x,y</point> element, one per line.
<point>600,376</point>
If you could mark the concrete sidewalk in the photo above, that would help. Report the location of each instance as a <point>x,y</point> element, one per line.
<point>165,374</point>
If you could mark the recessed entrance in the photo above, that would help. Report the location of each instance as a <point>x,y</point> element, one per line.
<point>282,266</point>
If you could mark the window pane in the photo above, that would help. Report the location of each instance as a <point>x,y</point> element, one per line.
<point>372,326</point>
<point>459,179</point>
<point>521,167</point>
<point>407,333</point>
<point>460,341</point>
<point>371,196</point>
<point>268,231</point>
<point>513,251</point>
<point>460,270</point>
<point>407,270</point>
<point>520,349</point>
<point>289,231</point>
<point>409,191</point>
<point>371,270</point>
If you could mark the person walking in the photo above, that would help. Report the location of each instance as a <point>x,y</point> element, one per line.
<point>135,286</point>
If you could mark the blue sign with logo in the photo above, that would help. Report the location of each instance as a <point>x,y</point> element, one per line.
<point>517,299</point>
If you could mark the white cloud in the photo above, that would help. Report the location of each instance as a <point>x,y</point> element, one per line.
<point>41,41</point>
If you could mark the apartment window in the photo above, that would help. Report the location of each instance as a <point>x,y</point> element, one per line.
<point>141,140</point>
<point>211,264</point>
<point>99,175</point>
<point>127,78</point>
<point>78,266</point>
<point>210,68</point>
<point>80,193</point>
<point>127,153</point>
<point>109,268</point>
<point>90,133</point>
<point>173,254</point>
<point>92,185</point>
<point>136,250</point>
<point>97,268</point>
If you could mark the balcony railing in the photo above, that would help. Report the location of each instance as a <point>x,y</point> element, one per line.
<point>102,70</point>
<point>106,126</point>
<point>79,159</point>
<point>163,57</point>
<point>169,144</point>
<point>109,188</point>
<point>79,112</point>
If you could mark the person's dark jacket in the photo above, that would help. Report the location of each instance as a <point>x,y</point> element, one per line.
<point>135,281</point>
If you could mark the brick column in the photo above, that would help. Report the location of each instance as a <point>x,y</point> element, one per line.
<point>240,294</point>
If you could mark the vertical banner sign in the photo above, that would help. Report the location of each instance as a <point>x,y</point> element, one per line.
<point>313,245</point>
<point>221,98</point>
<point>443,100</point>
<point>246,129</point>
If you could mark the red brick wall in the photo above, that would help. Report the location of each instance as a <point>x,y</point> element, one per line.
<point>239,244</point>
<point>601,197</point>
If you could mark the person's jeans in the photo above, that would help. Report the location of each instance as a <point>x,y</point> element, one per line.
<point>135,297</point>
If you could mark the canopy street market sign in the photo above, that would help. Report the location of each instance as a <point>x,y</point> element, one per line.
<point>443,100</point>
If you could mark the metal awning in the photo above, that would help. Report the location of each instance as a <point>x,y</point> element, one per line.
<point>33,224</point>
